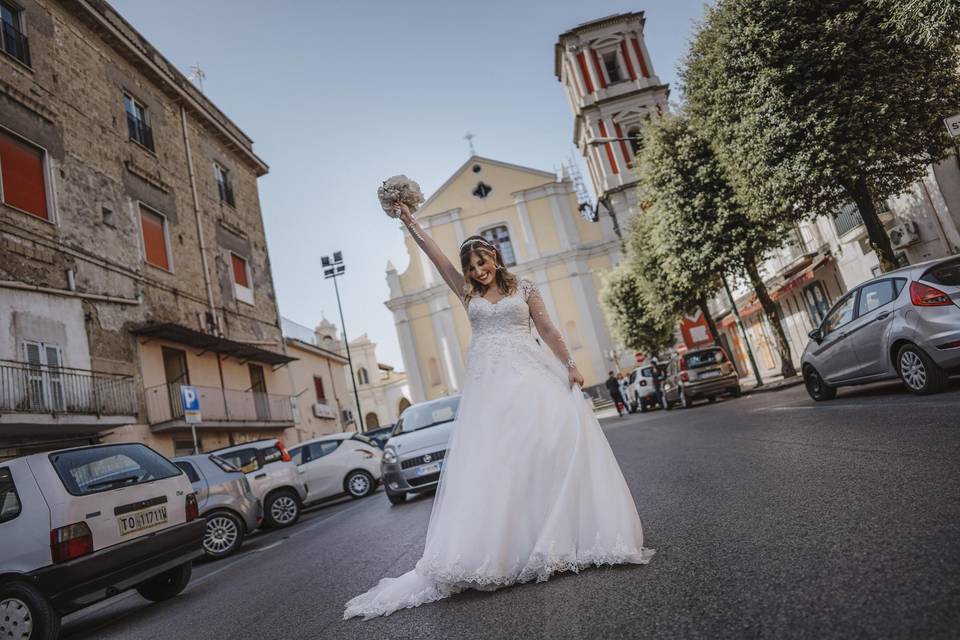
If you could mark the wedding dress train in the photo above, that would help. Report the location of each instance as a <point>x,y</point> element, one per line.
<point>529,486</point>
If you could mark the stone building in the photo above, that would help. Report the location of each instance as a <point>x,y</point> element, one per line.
<point>132,244</point>
<point>533,217</point>
<point>612,89</point>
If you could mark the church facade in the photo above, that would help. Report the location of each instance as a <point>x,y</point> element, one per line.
<point>533,217</point>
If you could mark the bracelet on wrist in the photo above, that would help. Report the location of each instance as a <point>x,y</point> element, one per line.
<point>570,364</point>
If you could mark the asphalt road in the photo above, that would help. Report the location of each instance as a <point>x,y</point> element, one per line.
<point>772,517</point>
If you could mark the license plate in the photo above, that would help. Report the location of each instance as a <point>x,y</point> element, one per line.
<point>710,374</point>
<point>140,520</point>
<point>426,469</point>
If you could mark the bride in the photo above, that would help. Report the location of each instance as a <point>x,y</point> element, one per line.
<point>529,486</point>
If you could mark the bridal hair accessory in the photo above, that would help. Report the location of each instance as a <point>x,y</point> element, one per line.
<point>475,241</point>
<point>399,189</point>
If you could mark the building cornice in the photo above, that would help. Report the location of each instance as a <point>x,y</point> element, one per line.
<point>543,190</point>
<point>599,23</point>
<point>117,33</point>
<point>318,351</point>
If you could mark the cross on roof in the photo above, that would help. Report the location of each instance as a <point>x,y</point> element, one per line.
<point>469,138</point>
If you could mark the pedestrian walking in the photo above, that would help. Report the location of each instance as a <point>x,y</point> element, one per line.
<point>613,388</point>
<point>624,391</point>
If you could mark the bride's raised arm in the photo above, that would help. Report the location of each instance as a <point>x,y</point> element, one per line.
<point>450,274</point>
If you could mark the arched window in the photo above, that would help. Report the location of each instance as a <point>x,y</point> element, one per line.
<point>500,237</point>
<point>573,336</point>
<point>403,404</point>
<point>636,139</point>
<point>362,377</point>
<point>371,421</point>
<point>434,371</point>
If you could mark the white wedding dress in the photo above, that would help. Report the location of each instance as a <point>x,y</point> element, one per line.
<point>529,485</point>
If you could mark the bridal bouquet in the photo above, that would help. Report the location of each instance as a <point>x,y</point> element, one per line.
<point>399,189</point>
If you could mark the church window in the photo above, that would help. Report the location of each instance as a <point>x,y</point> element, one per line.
<point>500,238</point>
<point>482,190</point>
<point>371,420</point>
<point>362,376</point>
<point>636,139</point>
<point>611,65</point>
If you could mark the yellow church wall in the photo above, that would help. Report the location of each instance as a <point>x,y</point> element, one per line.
<point>412,278</point>
<point>561,289</point>
<point>544,227</point>
<point>504,180</point>
<point>461,324</point>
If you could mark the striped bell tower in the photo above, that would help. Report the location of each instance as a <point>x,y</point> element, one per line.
<point>612,89</point>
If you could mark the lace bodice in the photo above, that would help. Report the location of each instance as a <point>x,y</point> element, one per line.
<point>508,316</point>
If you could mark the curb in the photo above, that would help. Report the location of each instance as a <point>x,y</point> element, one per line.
<point>779,385</point>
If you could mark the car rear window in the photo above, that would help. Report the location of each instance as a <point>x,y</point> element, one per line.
<point>9,500</point>
<point>647,372</point>
<point>947,274</point>
<point>271,454</point>
<point>223,464</point>
<point>188,469</point>
<point>428,414</point>
<point>704,358</point>
<point>95,469</point>
<point>244,459</point>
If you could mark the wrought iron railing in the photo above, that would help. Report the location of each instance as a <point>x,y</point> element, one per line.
<point>847,219</point>
<point>140,131</point>
<point>15,43</point>
<point>37,388</point>
<point>164,405</point>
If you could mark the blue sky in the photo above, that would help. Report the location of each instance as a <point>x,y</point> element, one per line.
<point>338,96</point>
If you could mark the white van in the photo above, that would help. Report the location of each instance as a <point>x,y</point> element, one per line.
<point>81,525</point>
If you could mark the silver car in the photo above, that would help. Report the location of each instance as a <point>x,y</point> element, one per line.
<point>905,323</point>
<point>414,454</point>
<point>225,500</point>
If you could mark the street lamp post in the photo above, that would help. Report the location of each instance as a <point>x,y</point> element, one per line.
<point>333,267</point>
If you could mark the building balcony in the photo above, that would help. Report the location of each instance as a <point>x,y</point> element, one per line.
<point>41,401</point>
<point>219,408</point>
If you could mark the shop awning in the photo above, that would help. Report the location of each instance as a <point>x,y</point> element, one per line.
<point>798,279</point>
<point>207,342</point>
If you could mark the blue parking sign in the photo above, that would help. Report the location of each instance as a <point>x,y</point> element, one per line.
<point>190,397</point>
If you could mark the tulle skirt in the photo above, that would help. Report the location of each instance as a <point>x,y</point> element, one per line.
<point>529,487</point>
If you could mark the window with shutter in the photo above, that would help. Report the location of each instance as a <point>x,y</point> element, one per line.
<point>154,239</point>
<point>318,385</point>
<point>242,290</point>
<point>21,168</point>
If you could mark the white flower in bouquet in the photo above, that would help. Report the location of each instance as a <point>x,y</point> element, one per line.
<point>399,189</point>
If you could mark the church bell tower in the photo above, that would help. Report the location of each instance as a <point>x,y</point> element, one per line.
<point>613,89</point>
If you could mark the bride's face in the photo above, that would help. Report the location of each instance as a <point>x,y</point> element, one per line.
<point>482,268</point>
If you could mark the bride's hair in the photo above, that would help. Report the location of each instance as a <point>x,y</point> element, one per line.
<point>506,281</point>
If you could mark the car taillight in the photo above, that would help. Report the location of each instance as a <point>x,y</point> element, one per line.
<point>923,295</point>
<point>71,541</point>
<point>193,509</point>
<point>684,377</point>
<point>284,455</point>
<point>643,383</point>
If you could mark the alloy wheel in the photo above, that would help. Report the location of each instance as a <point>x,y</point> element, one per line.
<point>16,621</point>
<point>912,370</point>
<point>359,484</point>
<point>221,534</point>
<point>283,510</point>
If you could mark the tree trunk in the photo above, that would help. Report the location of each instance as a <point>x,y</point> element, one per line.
<point>860,194</point>
<point>773,318</point>
<point>705,310</point>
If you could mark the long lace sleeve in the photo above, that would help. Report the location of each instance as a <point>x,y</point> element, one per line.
<point>545,327</point>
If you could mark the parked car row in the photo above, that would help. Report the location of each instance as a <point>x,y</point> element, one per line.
<point>83,524</point>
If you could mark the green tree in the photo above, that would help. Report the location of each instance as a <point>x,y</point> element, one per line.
<point>923,22</point>
<point>638,326</point>
<point>700,228</point>
<point>811,105</point>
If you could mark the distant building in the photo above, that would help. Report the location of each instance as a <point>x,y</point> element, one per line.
<point>533,217</point>
<point>613,90</point>
<point>383,391</point>
<point>134,257</point>
<point>324,400</point>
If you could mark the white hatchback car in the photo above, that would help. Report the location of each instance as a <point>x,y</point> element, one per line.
<point>81,525</point>
<point>338,464</point>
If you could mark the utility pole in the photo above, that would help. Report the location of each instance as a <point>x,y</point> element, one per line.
<point>743,332</point>
<point>333,267</point>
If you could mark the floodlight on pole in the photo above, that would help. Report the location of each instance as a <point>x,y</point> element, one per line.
<point>332,268</point>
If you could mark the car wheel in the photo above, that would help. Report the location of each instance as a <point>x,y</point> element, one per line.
<point>397,498</point>
<point>736,392</point>
<point>643,407</point>
<point>167,584</point>
<point>816,387</point>
<point>921,374</point>
<point>712,399</point>
<point>281,509</point>
<point>359,484</point>
<point>25,613</point>
<point>223,536</point>
<point>685,402</point>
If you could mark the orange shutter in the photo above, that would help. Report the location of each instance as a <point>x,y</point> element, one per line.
<point>21,167</point>
<point>240,271</point>
<point>154,240</point>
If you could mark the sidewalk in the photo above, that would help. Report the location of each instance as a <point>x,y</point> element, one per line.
<point>771,383</point>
